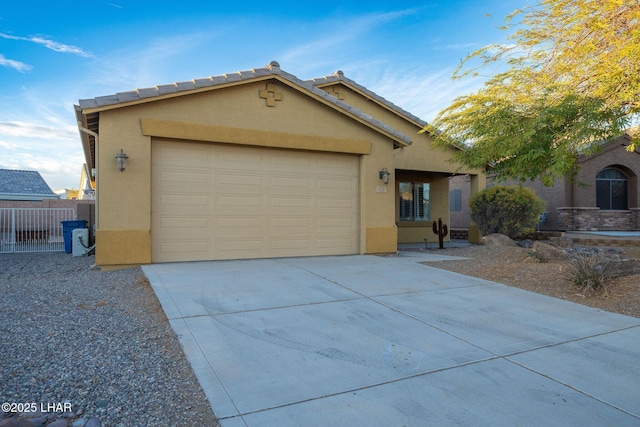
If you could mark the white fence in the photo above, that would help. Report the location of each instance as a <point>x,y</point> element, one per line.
<point>33,229</point>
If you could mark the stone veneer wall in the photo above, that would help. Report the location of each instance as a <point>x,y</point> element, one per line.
<point>594,219</point>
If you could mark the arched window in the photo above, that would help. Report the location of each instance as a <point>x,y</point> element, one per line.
<point>611,190</point>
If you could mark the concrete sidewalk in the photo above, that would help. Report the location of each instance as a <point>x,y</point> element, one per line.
<point>381,341</point>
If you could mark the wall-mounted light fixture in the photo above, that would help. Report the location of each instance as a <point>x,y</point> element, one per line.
<point>121,160</point>
<point>384,175</point>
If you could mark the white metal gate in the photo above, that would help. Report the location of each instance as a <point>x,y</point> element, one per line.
<point>33,229</point>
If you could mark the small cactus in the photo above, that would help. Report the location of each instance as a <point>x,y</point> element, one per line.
<point>441,231</point>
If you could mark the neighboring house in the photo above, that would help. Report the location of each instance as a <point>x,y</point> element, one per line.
<point>24,186</point>
<point>86,189</point>
<point>259,164</point>
<point>604,194</point>
<point>66,193</point>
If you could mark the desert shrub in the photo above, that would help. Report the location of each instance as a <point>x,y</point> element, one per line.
<point>589,273</point>
<point>510,210</point>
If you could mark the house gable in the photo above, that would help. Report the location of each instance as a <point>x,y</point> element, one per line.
<point>421,155</point>
<point>88,111</point>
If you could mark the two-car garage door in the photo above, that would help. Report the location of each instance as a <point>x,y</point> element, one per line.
<point>219,201</point>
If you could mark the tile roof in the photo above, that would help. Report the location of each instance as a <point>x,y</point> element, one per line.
<point>272,69</point>
<point>339,76</point>
<point>23,183</point>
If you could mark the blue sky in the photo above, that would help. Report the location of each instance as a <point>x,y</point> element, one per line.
<point>55,53</point>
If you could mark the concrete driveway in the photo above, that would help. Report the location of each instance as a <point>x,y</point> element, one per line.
<point>386,341</point>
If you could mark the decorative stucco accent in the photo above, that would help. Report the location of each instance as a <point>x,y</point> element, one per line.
<point>270,95</point>
<point>337,92</point>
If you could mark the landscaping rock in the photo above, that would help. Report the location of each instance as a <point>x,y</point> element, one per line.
<point>93,422</point>
<point>625,267</point>
<point>547,253</point>
<point>498,239</point>
<point>562,242</point>
<point>15,422</point>
<point>526,243</point>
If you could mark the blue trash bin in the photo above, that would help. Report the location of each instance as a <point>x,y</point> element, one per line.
<point>67,232</point>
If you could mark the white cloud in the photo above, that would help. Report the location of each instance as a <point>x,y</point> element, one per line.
<point>422,92</point>
<point>50,44</point>
<point>16,65</point>
<point>6,145</point>
<point>32,130</point>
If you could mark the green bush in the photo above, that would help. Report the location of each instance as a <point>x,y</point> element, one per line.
<point>510,210</point>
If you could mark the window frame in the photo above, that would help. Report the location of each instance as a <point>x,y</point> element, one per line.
<point>417,209</point>
<point>605,188</point>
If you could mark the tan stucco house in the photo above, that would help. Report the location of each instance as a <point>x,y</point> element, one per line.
<point>259,164</point>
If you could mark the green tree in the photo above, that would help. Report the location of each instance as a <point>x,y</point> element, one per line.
<point>570,79</point>
<point>510,210</point>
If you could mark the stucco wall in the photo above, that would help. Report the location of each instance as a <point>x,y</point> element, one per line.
<point>421,155</point>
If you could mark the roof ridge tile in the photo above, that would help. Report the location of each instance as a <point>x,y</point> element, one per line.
<point>339,76</point>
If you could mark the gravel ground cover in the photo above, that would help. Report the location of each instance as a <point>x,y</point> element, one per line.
<point>97,341</point>
<point>517,267</point>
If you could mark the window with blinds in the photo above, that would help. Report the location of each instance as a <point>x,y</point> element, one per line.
<point>414,203</point>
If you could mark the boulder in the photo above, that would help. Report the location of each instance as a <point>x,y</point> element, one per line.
<point>15,422</point>
<point>547,253</point>
<point>562,242</point>
<point>498,239</point>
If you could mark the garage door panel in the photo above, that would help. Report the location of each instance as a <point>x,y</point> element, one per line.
<point>232,159</point>
<point>342,186</point>
<point>290,161</point>
<point>239,203</point>
<point>194,248</point>
<point>295,223</point>
<point>183,200</point>
<point>331,207</point>
<point>182,222</point>
<point>233,180</point>
<point>280,244</point>
<point>290,183</point>
<point>235,222</point>
<point>239,248</point>
<point>338,224</point>
<point>182,178</point>
<point>236,202</point>
<point>330,243</point>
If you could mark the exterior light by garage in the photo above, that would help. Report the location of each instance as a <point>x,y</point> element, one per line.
<point>384,175</point>
<point>121,160</point>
